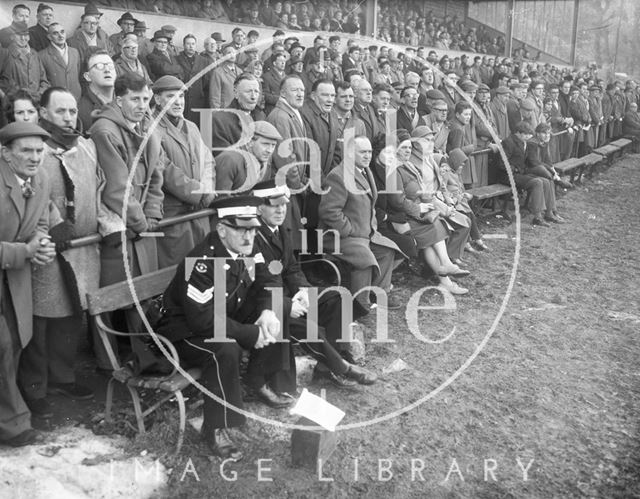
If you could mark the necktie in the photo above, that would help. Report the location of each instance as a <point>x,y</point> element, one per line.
<point>27,190</point>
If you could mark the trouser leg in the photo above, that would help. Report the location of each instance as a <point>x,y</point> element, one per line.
<point>321,350</point>
<point>220,363</point>
<point>14,413</point>
<point>474,230</point>
<point>457,241</point>
<point>33,368</point>
<point>385,258</point>
<point>534,187</point>
<point>549,196</point>
<point>62,344</point>
<point>361,278</point>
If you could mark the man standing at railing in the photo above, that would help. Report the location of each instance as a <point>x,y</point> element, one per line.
<point>118,132</point>
<point>59,289</point>
<point>189,175</point>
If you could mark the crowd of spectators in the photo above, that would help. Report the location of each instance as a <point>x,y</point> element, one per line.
<point>431,122</point>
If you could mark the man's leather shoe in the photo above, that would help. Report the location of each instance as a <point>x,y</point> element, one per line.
<point>223,446</point>
<point>71,390</point>
<point>322,375</point>
<point>40,408</point>
<point>555,219</point>
<point>272,399</point>
<point>27,437</point>
<point>361,375</point>
<point>348,356</point>
<point>540,222</point>
<point>479,244</point>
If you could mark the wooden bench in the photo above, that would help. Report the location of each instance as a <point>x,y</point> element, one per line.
<point>591,161</point>
<point>571,167</point>
<point>117,296</point>
<point>635,143</point>
<point>481,195</point>
<point>623,144</point>
<point>608,151</point>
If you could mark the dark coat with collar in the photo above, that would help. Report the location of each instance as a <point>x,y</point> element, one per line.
<point>22,219</point>
<point>38,39</point>
<point>190,298</point>
<point>60,74</point>
<point>23,72</point>
<point>323,128</point>
<point>162,64</point>
<point>227,127</point>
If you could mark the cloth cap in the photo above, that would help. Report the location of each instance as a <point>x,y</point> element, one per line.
<point>421,131</point>
<point>593,88</point>
<point>19,129</point>
<point>169,28</point>
<point>435,94</point>
<point>468,86</point>
<point>167,82</point>
<point>527,105</point>
<point>457,158</point>
<point>502,91</point>
<point>239,210</point>
<point>272,194</point>
<point>218,37</point>
<point>43,6</point>
<point>483,88</point>
<point>279,32</point>
<point>296,45</point>
<point>266,130</point>
<point>402,135</point>
<point>294,60</point>
<point>20,28</point>
<point>159,34</point>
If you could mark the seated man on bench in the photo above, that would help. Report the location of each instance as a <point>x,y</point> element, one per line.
<point>275,245</point>
<point>542,200</point>
<point>538,159</point>
<point>188,317</point>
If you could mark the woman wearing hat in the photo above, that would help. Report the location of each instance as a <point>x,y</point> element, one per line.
<point>423,220</point>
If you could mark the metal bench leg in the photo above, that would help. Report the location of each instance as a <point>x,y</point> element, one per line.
<point>137,407</point>
<point>109,400</point>
<point>183,419</point>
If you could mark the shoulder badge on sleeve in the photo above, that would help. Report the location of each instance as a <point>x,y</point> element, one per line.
<point>201,267</point>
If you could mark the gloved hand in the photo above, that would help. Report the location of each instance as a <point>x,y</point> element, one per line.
<point>61,234</point>
<point>152,224</point>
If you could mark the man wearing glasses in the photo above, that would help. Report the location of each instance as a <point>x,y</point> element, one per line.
<point>161,61</point>
<point>100,76</point>
<point>129,62</point>
<point>88,39</point>
<point>191,321</point>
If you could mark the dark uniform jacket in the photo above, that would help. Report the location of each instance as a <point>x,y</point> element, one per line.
<point>188,302</point>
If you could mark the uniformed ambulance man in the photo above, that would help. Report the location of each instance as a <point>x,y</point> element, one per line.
<point>188,320</point>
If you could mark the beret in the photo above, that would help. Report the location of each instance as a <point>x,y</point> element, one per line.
<point>528,105</point>
<point>266,130</point>
<point>169,28</point>
<point>435,94</point>
<point>502,91</point>
<point>167,82</point>
<point>19,129</point>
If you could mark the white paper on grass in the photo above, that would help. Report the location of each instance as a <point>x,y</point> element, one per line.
<point>317,410</point>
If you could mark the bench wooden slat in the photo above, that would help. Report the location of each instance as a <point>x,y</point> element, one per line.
<point>592,159</point>
<point>606,150</point>
<point>568,164</point>
<point>621,143</point>
<point>489,191</point>
<point>118,295</point>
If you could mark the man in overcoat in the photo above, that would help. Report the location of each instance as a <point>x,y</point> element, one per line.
<point>24,201</point>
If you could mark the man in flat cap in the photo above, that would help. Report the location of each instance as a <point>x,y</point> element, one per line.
<point>19,15</point>
<point>189,175</point>
<point>127,25</point>
<point>223,77</point>
<point>24,202</point>
<point>498,107</point>
<point>191,320</point>
<point>275,243</point>
<point>161,61</point>
<point>38,34</point>
<point>238,170</point>
<point>22,67</point>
